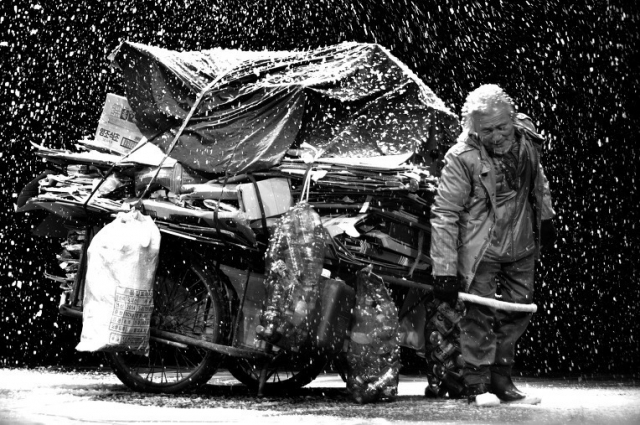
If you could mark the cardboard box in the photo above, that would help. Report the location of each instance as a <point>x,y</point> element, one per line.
<point>274,193</point>
<point>117,112</point>
<point>115,139</point>
<point>117,131</point>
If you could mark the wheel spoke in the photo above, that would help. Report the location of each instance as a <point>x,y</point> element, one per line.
<point>287,372</point>
<point>187,287</point>
<point>162,369</point>
<point>183,304</point>
<point>201,296</point>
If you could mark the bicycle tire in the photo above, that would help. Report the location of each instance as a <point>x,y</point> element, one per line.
<point>288,372</point>
<point>189,301</point>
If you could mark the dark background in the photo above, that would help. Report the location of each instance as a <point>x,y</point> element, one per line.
<point>567,66</point>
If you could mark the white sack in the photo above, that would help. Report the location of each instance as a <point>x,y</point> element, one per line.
<point>118,298</point>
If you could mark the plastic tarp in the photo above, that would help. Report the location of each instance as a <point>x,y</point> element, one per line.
<point>349,100</point>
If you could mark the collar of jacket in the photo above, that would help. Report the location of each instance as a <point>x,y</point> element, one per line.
<point>484,155</point>
<point>487,173</point>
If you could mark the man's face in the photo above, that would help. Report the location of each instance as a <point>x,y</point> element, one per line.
<point>495,129</point>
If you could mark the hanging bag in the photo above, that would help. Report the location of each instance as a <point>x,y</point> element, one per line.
<point>118,298</point>
<point>373,357</point>
<point>294,262</point>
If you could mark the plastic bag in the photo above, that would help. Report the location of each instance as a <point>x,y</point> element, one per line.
<point>413,320</point>
<point>118,298</point>
<point>373,357</point>
<point>294,263</point>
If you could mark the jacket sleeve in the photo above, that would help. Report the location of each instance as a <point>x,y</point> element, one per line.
<point>453,192</point>
<point>546,212</point>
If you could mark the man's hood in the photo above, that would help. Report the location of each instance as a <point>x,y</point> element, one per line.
<point>523,124</point>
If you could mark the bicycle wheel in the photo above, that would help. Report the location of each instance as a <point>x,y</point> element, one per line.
<point>287,372</point>
<point>187,301</point>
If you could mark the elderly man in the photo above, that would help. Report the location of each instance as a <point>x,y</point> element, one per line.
<point>491,214</point>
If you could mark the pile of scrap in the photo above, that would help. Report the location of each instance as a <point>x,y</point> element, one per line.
<point>216,145</point>
<point>373,214</point>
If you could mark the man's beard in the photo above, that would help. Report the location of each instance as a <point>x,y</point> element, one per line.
<point>501,148</point>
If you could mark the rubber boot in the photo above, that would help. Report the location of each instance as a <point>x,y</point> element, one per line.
<point>503,387</point>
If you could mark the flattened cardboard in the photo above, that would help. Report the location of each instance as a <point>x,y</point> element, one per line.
<point>396,246</point>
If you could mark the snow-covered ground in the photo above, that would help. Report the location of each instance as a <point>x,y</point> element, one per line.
<point>50,397</point>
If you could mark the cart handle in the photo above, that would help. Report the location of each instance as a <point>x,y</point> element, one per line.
<point>498,305</point>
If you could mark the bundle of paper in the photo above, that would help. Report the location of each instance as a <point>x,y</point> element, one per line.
<point>80,186</point>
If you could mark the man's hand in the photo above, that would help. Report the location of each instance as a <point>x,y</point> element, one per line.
<point>446,288</point>
<point>548,234</point>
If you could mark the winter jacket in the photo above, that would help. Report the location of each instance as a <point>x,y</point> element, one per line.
<point>463,215</point>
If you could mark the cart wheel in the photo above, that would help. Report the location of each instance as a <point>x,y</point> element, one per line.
<point>289,371</point>
<point>340,365</point>
<point>187,301</point>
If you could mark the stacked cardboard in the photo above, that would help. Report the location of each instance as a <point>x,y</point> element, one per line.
<point>80,185</point>
<point>373,214</point>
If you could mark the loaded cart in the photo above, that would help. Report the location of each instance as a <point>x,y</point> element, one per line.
<point>291,191</point>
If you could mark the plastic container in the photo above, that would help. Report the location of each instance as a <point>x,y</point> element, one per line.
<point>252,307</point>
<point>335,308</point>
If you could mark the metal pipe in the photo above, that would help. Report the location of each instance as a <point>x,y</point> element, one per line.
<point>167,342</point>
<point>219,348</point>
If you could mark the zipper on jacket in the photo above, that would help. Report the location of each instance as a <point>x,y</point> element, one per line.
<point>483,249</point>
<point>490,234</point>
<point>512,224</point>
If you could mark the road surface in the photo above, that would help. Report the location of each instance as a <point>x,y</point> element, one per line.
<point>53,397</point>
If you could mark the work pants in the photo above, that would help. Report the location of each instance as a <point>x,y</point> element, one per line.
<point>488,336</point>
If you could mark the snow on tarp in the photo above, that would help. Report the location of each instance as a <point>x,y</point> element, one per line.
<point>348,100</point>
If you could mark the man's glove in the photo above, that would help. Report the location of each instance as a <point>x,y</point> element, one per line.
<point>446,288</point>
<point>548,234</point>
